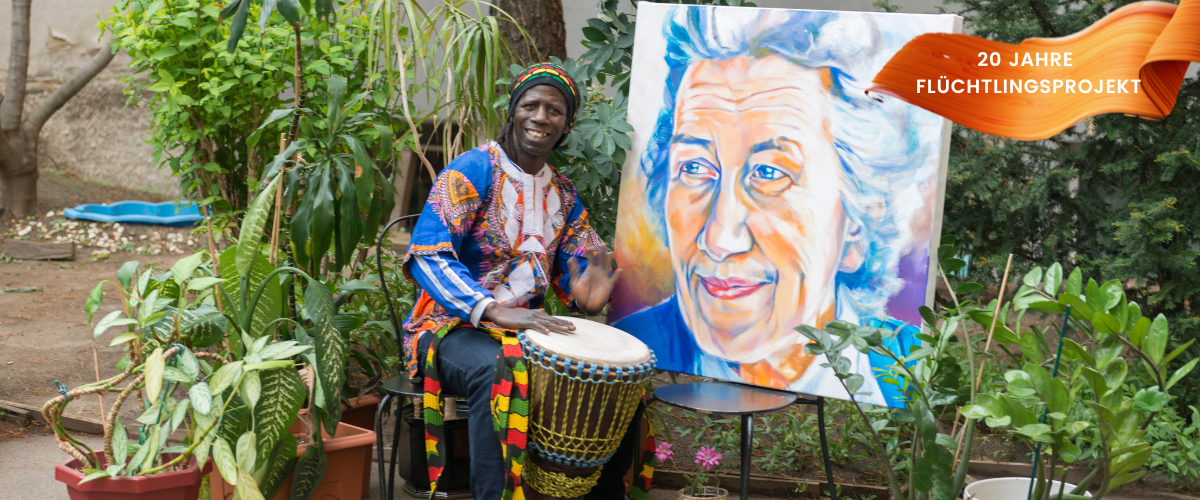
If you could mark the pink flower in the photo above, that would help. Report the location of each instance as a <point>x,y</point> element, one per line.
<point>708,457</point>
<point>663,451</point>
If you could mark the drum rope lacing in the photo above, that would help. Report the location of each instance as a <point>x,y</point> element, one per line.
<point>557,484</point>
<point>599,372</point>
<point>565,428</point>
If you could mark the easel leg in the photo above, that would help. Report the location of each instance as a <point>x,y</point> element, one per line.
<point>747,441</point>
<point>825,448</point>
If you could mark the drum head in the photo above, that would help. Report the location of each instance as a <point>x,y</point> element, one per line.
<point>593,342</point>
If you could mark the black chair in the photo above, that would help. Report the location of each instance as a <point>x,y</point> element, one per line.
<point>455,481</point>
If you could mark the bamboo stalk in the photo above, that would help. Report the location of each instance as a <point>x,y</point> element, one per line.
<point>278,208</point>
<point>212,250</point>
<point>995,316</point>
<point>983,356</point>
<point>96,364</point>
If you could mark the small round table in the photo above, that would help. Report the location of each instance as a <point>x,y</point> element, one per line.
<point>745,401</point>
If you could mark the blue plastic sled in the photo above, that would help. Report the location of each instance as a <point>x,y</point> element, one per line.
<point>168,213</point>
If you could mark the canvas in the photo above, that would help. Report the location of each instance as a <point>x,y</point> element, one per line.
<point>767,189</point>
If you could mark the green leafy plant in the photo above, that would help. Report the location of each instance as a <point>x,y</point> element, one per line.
<point>1112,197</point>
<point>236,412</point>
<point>1106,329</point>
<point>207,103</point>
<point>203,105</point>
<point>340,194</point>
<point>242,404</point>
<point>1174,449</point>
<point>364,316</point>
<point>934,378</point>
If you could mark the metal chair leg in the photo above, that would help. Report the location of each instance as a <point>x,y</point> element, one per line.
<point>825,448</point>
<point>384,488</point>
<point>399,414</point>
<point>747,444</point>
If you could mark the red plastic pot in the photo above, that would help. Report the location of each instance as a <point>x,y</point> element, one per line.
<point>179,485</point>
<point>360,411</point>
<point>347,477</point>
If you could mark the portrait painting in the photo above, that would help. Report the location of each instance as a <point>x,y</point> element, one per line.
<point>768,189</point>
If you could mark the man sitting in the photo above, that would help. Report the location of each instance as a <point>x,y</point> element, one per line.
<point>500,227</point>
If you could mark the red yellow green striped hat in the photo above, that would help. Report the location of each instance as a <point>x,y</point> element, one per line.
<point>545,74</point>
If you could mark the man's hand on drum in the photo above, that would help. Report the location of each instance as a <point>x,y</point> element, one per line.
<point>592,287</point>
<point>520,318</point>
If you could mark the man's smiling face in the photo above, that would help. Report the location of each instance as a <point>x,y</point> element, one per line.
<point>539,120</point>
<point>754,228</point>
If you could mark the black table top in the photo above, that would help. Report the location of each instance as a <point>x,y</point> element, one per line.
<point>724,397</point>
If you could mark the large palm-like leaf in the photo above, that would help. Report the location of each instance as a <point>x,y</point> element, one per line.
<point>282,394</point>
<point>310,469</point>
<point>201,327</point>
<point>331,351</point>
<point>269,304</point>
<point>253,226</point>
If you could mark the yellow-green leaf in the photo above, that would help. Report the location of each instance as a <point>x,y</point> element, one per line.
<point>331,349</point>
<point>251,389</point>
<point>246,488</point>
<point>222,454</point>
<point>247,458</point>
<point>203,282</point>
<point>154,373</point>
<point>269,303</point>
<point>253,226</point>
<point>279,465</point>
<point>121,339</point>
<point>270,365</point>
<point>120,442</point>
<point>183,268</point>
<point>283,394</point>
<point>224,377</point>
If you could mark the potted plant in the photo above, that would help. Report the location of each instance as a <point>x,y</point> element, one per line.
<point>253,379</point>
<point>171,320</point>
<point>934,378</point>
<point>1109,357</point>
<point>315,325</point>
<point>707,459</point>
<point>328,214</point>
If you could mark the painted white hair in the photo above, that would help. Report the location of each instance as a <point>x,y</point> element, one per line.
<point>883,157</point>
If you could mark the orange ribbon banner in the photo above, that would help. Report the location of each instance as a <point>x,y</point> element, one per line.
<point>1132,61</point>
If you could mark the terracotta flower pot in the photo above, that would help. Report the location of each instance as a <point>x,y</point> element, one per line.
<point>347,477</point>
<point>360,411</point>
<point>178,485</point>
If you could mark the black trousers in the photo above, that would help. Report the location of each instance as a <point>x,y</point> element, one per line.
<point>466,366</point>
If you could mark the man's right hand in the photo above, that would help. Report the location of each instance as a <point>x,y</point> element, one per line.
<point>519,318</point>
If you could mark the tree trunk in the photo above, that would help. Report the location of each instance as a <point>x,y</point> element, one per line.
<point>19,175</point>
<point>18,68</point>
<point>18,154</point>
<point>543,22</point>
<point>20,193</point>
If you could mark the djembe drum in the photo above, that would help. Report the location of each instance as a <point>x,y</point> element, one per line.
<point>584,387</point>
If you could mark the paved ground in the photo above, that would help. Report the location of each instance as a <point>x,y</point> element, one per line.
<point>27,473</point>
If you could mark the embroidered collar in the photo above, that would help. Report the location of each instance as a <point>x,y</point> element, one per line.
<point>533,205</point>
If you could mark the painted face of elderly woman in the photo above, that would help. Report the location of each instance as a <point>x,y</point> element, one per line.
<point>756,231</point>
